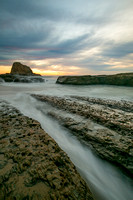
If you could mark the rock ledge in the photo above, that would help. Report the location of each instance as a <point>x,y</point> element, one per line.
<point>32,165</point>
<point>123,79</point>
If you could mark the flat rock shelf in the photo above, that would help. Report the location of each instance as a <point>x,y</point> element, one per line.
<point>105,126</point>
<point>123,79</point>
<point>32,165</point>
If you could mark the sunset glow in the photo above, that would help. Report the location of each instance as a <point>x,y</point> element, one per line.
<point>70,39</point>
<point>5,69</point>
<point>48,72</point>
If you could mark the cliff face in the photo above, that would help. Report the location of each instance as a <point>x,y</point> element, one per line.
<point>124,79</point>
<point>18,68</point>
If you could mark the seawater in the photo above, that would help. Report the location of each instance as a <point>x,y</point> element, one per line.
<point>105,181</point>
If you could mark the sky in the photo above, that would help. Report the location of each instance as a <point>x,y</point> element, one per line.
<point>67,37</point>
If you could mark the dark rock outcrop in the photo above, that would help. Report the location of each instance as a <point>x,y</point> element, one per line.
<point>20,69</point>
<point>124,79</point>
<point>21,73</point>
<point>107,130</point>
<point>19,78</point>
<point>32,165</point>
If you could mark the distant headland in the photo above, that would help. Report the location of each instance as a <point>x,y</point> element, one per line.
<point>123,79</point>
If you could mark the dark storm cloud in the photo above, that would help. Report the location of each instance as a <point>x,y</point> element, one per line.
<point>71,45</point>
<point>22,39</point>
<point>47,29</point>
<point>119,50</point>
<point>29,9</point>
<point>24,26</point>
<point>24,23</point>
<point>30,49</point>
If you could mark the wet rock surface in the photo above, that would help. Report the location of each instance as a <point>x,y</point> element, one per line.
<point>108,131</point>
<point>20,78</point>
<point>123,79</point>
<point>122,105</point>
<point>32,165</point>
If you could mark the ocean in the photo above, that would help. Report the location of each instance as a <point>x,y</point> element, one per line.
<point>105,180</point>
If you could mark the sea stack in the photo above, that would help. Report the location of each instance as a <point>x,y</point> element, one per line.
<point>21,73</point>
<point>20,69</point>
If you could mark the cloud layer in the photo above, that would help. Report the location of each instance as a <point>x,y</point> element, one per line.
<point>67,37</point>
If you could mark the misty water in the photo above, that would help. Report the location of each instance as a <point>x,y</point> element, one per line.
<point>106,181</point>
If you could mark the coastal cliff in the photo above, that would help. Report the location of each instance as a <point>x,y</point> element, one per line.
<point>123,79</point>
<point>32,165</point>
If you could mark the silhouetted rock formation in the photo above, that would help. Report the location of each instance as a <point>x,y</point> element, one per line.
<point>124,79</point>
<point>20,69</point>
<point>21,73</point>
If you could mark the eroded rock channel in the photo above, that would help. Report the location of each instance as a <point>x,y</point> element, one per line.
<point>32,165</point>
<point>106,126</point>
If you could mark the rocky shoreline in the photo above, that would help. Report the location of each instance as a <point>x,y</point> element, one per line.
<point>21,74</point>
<point>32,165</point>
<point>123,79</point>
<point>21,78</point>
<point>105,125</point>
<point>122,105</point>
